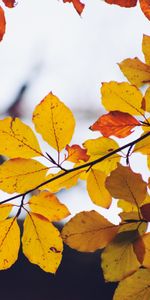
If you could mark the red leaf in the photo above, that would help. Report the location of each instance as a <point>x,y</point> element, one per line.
<point>145,210</point>
<point>123,3</point>
<point>145,6</point>
<point>2,23</point>
<point>115,123</point>
<point>76,153</point>
<point>9,3</point>
<point>77,5</point>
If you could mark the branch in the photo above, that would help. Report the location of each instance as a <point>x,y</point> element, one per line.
<point>89,164</point>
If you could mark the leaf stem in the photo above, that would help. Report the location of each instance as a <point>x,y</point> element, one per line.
<point>83,166</point>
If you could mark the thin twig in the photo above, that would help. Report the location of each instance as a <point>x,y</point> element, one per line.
<point>83,166</point>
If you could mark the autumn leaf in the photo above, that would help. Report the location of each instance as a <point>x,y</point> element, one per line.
<point>115,123</point>
<point>76,153</point>
<point>123,3</point>
<point>136,71</point>
<point>124,184</point>
<point>42,243</point>
<point>147,100</point>
<point>145,7</point>
<point>132,221</point>
<point>145,211</point>
<point>9,3</point>
<point>88,231</point>
<point>5,210</point>
<point>17,139</point>
<point>121,96</point>
<point>146,48</point>
<point>9,242</point>
<point>58,126</point>
<point>48,205</point>
<point>118,258</point>
<point>99,147</point>
<point>135,287</point>
<point>19,175</point>
<point>2,23</point>
<point>143,146</point>
<point>78,5</point>
<point>96,188</point>
<point>63,181</point>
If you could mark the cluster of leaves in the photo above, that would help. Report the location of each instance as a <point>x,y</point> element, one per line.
<point>9,4</point>
<point>144,4</point>
<point>105,168</point>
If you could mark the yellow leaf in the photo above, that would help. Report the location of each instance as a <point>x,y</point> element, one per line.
<point>147,100</point>
<point>9,243</point>
<point>99,147</point>
<point>65,181</point>
<point>17,139</point>
<point>136,71</point>
<point>48,205</point>
<point>135,287</point>
<point>5,210</point>
<point>146,48</point>
<point>131,221</point>
<point>96,188</point>
<point>143,146</point>
<point>118,258</point>
<point>126,206</point>
<point>42,243</point>
<point>88,231</point>
<point>20,175</point>
<point>122,96</point>
<point>58,125</point>
<point>125,184</point>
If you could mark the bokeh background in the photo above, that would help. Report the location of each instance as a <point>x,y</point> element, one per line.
<point>49,47</point>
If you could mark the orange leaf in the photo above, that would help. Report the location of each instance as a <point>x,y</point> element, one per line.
<point>123,3</point>
<point>2,23</point>
<point>145,6</point>
<point>77,5</point>
<point>115,123</point>
<point>9,3</point>
<point>76,153</point>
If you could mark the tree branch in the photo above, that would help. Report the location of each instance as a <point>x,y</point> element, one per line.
<point>89,164</point>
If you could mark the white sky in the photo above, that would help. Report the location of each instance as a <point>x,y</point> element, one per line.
<point>48,42</point>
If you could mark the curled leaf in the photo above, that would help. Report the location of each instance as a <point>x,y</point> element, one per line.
<point>76,153</point>
<point>146,48</point>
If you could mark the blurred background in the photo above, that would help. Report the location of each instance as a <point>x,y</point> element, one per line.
<point>49,47</point>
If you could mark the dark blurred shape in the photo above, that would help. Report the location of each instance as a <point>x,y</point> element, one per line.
<point>15,109</point>
<point>79,277</point>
